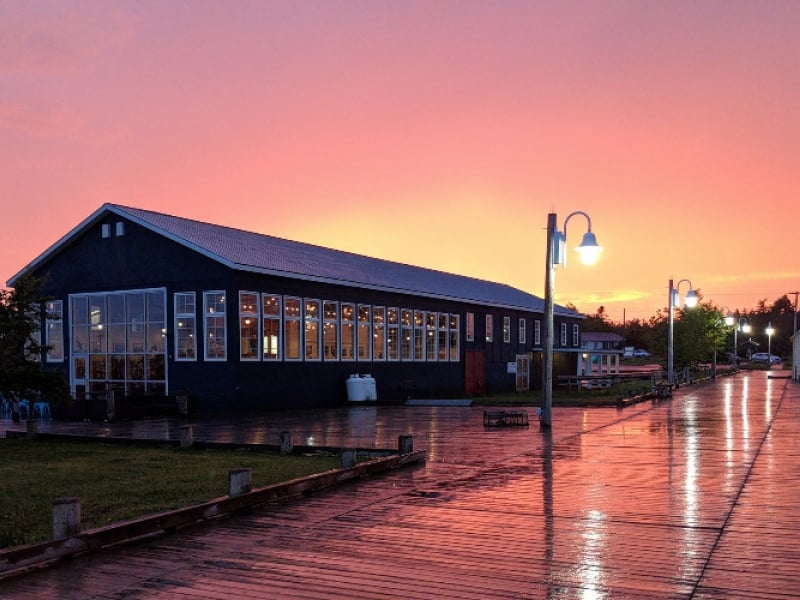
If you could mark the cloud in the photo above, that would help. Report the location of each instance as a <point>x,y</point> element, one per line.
<point>45,38</point>
<point>42,122</point>
<point>765,276</point>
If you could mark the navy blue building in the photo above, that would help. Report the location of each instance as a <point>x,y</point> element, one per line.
<point>147,304</point>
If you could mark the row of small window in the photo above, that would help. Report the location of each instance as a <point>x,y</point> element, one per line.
<point>273,327</point>
<point>521,331</point>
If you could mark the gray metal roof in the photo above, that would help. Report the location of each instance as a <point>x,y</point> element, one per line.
<point>249,251</point>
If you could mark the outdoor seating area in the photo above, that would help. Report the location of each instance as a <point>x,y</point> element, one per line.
<point>25,408</point>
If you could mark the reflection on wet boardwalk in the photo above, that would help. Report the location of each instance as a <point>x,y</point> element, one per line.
<point>692,497</point>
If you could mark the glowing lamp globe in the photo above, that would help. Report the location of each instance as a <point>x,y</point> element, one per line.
<point>589,250</point>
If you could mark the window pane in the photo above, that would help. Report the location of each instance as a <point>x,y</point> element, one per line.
<point>330,330</point>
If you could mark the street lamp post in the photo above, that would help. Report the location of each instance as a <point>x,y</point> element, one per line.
<point>769,333</point>
<point>745,329</point>
<point>589,251</point>
<point>674,299</point>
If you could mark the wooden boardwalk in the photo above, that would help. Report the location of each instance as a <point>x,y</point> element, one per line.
<point>692,497</point>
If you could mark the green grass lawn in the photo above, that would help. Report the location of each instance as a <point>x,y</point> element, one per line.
<point>120,481</point>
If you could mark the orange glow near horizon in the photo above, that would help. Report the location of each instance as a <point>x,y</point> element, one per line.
<point>438,135</point>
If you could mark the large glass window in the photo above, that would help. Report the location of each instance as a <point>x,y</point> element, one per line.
<point>293,331</point>
<point>393,334</point>
<point>55,331</point>
<point>507,330</point>
<point>419,335</point>
<point>330,329</point>
<point>441,332</point>
<point>455,338</point>
<point>121,336</point>
<point>378,333</point>
<point>348,331</point>
<point>215,326</point>
<point>407,334</point>
<point>470,326</point>
<point>312,329</point>
<point>430,337</point>
<point>271,325</point>
<point>249,319</point>
<point>185,326</point>
<point>364,332</point>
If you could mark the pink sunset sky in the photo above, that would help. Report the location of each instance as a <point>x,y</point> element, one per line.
<point>436,133</point>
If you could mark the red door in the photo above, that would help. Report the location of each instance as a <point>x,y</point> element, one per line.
<point>475,375</point>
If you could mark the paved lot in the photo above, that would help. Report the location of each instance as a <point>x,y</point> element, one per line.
<point>693,497</point>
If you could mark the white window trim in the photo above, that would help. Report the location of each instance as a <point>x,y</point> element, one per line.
<point>300,329</point>
<point>256,314</point>
<point>306,321</point>
<point>206,315</point>
<point>176,318</point>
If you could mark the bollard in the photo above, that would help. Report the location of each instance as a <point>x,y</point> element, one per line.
<point>286,442</point>
<point>187,436</point>
<point>111,406</point>
<point>183,403</point>
<point>66,517</point>
<point>348,459</point>
<point>405,444</point>
<point>239,481</point>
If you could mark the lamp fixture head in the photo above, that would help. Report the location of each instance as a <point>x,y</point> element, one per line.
<point>691,299</point>
<point>589,250</point>
<point>729,319</point>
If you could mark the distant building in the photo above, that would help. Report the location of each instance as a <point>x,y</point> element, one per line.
<point>152,304</point>
<point>601,353</point>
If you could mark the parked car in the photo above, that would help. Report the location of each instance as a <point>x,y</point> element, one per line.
<point>763,357</point>
<point>640,353</point>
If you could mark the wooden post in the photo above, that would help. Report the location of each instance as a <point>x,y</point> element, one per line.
<point>348,458</point>
<point>240,481</point>
<point>187,436</point>
<point>183,403</point>
<point>111,408</point>
<point>66,517</point>
<point>286,442</point>
<point>405,444</point>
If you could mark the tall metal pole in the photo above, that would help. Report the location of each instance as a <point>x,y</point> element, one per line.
<point>736,347</point>
<point>549,335</point>
<point>670,374</point>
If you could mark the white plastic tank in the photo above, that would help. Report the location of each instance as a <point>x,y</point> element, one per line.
<point>356,390</point>
<point>370,390</point>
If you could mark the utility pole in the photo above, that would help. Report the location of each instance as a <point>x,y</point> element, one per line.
<point>794,324</point>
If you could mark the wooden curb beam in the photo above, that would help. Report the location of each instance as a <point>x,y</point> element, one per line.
<point>20,559</point>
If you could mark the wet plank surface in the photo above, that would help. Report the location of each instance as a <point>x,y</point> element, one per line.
<point>692,497</point>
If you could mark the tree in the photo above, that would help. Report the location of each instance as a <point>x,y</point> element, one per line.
<point>21,350</point>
